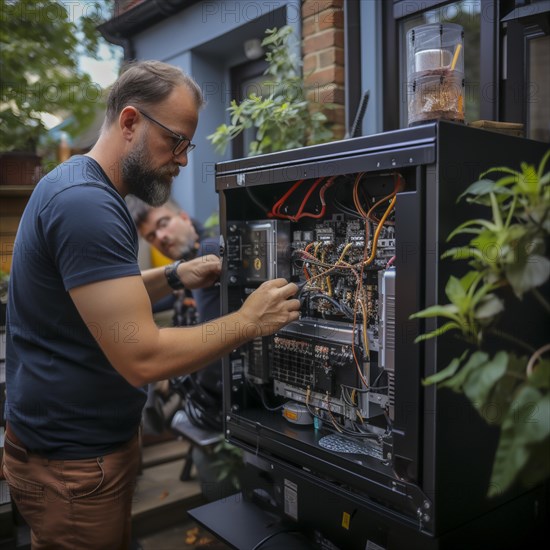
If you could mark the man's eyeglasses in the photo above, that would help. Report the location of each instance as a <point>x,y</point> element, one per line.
<point>183,144</point>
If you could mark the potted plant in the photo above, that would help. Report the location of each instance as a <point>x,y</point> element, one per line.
<point>41,44</point>
<point>218,469</point>
<point>509,268</point>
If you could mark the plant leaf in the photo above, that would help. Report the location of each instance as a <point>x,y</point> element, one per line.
<point>449,311</point>
<point>528,182</point>
<point>480,187</point>
<point>540,377</point>
<point>447,372</point>
<point>504,390</point>
<point>537,468</point>
<point>439,331</point>
<point>509,461</point>
<point>501,169</point>
<point>455,290</point>
<point>524,276</point>
<point>462,253</point>
<point>455,383</point>
<point>532,416</point>
<point>542,165</point>
<point>524,423</point>
<point>528,417</point>
<point>483,223</point>
<point>478,385</point>
<point>490,306</point>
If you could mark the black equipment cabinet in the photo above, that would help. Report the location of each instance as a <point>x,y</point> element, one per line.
<point>400,465</point>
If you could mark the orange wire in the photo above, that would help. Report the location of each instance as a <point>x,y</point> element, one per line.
<point>379,229</point>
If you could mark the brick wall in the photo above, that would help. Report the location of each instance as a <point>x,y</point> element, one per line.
<point>323,56</point>
<point>124,5</point>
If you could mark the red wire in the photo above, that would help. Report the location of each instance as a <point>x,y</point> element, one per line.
<point>323,203</point>
<point>275,210</point>
<point>308,194</point>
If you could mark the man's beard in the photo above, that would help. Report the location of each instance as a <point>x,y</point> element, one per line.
<point>148,184</point>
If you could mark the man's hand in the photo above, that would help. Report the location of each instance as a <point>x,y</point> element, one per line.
<point>143,353</point>
<point>271,306</point>
<point>200,272</point>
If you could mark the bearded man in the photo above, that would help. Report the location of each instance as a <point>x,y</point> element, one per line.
<point>81,339</point>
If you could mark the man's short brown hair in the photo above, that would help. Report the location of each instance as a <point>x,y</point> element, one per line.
<point>146,83</point>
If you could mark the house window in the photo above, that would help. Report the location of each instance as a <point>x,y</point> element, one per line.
<point>247,78</point>
<point>466,13</point>
<point>507,52</point>
<point>538,104</point>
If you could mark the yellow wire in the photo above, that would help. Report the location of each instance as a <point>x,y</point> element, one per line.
<point>327,278</point>
<point>378,230</point>
<point>332,419</point>
<point>365,335</point>
<point>344,252</point>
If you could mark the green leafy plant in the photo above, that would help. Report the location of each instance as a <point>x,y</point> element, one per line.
<point>228,463</point>
<point>506,251</point>
<point>218,469</point>
<point>283,118</point>
<point>40,42</point>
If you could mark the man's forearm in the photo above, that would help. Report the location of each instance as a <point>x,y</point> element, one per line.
<point>184,350</point>
<point>155,283</point>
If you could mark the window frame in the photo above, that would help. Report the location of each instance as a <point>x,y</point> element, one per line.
<point>520,25</point>
<point>237,75</point>
<point>394,12</point>
<point>504,62</point>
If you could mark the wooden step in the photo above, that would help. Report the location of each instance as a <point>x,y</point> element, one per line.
<point>163,452</point>
<point>161,499</point>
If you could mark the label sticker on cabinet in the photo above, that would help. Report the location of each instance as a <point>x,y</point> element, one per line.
<point>345,520</point>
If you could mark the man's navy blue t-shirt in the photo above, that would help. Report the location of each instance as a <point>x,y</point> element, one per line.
<point>64,398</point>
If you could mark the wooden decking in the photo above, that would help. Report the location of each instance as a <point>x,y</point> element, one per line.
<point>161,499</point>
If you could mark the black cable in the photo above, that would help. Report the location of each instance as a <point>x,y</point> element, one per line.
<point>271,535</point>
<point>373,385</point>
<point>346,210</point>
<point>201,417</point>
<point>264,403</point>
<point>358,390</point>
<point>388,421</point>
<point>347,311</point>
<point>358,433</point>
<point>256,201</point>
<point>356,126</point>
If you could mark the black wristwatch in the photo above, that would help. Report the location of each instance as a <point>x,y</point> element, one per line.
<point>172,277</point>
